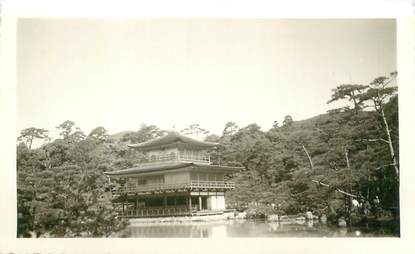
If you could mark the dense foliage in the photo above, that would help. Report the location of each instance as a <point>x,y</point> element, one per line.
<point>319,164</point>
<point>323,163</point>
<point>61,188</point>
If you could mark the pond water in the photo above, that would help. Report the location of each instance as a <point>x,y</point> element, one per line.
<point>254,228</point>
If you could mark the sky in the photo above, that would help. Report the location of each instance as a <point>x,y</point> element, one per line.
<point>121,73</point>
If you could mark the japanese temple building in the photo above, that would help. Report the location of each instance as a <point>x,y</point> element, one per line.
<point>177,179</point>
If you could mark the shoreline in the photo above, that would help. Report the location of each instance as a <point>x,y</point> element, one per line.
<point>180,219</point>
<point>227,216</point>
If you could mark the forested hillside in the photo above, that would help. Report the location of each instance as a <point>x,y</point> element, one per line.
<point>292,165</point>
<point>323,163</point>
<point>319,164</point>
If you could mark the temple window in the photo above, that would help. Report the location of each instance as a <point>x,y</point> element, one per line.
<point>141,181</point>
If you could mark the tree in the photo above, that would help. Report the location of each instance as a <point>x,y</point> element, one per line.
<point>275,124</point>
<point>195,130</point>
<point>375,95</point>
<point>145,133</point>
<point>362,136</point>
<point>76,136</point>
<point>66,128</point>
<point>62,191</point>
<point>29,134</point>
<point>28,163</point>
<point>350,92</point>
<point>378,94</point>
<point>99,133</point>
<point>288,121</point>
<point>69,202</point>
<point>230,129</point>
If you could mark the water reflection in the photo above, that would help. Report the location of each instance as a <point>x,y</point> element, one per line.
<point>249,228</point>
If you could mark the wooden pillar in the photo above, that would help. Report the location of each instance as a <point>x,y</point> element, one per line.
<point>190,202</point>
<point>136,205</point>
<point>126,202</point>
<point>165,201</point>
<point>200,203</point>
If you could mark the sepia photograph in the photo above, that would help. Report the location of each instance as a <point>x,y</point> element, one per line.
<point>207,128</point>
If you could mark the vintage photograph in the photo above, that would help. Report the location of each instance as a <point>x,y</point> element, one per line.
<point>207,127</point>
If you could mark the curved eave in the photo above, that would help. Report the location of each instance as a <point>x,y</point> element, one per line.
<point>161,167</point>
<point>171,138</point>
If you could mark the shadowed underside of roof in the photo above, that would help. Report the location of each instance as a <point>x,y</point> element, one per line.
<point>148,168</point>
<point>171,138</point>
<point>170,166</point>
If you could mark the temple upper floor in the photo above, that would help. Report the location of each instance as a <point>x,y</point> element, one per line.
<point>176,148</point>
<point>173,140</point>
<point>177,155</point>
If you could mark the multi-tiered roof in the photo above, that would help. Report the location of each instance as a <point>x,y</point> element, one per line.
<point>177,178</point>
<point>175,160</point>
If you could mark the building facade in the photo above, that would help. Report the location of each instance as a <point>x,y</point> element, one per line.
<point>177,179</point>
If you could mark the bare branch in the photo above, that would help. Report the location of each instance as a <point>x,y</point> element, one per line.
<point>321,183</point>
<point>337,189</point>
<point>377,139</point>
<point>346,193</point>
<point>392,78</point>
<point>309,158</point>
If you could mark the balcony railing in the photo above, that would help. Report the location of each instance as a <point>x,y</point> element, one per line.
<point>212,184</point>
<point>193,158</point>
<point>175,186</point>
<point>157,211</point>
<point>176,157</point>
<point>161,211</point>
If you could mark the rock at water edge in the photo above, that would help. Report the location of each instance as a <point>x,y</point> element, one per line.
<point>309,215</point>
<point>341,223</point>
<point>323,219</point>
<point>272,217</point>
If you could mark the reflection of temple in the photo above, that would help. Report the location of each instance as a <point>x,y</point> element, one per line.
<point>195,230</point>
<point>177,179</point>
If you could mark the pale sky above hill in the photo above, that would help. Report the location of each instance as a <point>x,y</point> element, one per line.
<point>175,72</point>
